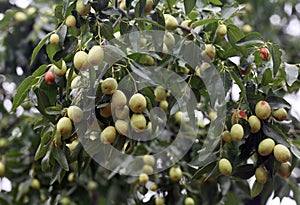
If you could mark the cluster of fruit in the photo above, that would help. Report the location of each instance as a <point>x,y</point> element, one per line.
<point>267,147</point>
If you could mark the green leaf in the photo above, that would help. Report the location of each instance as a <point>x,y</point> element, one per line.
<point>216,2</point>
<point>234,35</point>
<point>292,72</point>
<point>275,133</point>
<point>276,56</point>
<point>60,157</point>
<point>40,71</point>
<point>256,189</point>
<point>296,191</point>
<point>189,5</point>
<point>45,164</point>
<point>205,21</point>
<point>43,147</point>
<point>250,39</point>
<point>22,91</point>
<point>244,171</point>
<point>277,102</point>
<point>207,168</point>
<point>267,77</point>
<point>295,151</point>
<point>239,83</point>
<point>38,47</point>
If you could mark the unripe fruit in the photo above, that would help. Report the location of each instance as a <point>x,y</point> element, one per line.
<point>108,135</point>
<point>20,16</point>
<point>73,74</point>
<point>189,201</point>
<point>2,169</point>
<point>164,105</point>
<point>159,201</point>
<point>281,153</point>
<point>49,77</point>
<point>65,201</point>
<point>153,187</point>
<point>226,136</point>
<point>64,126</point>
<point>122,113</point>
<point>82,9</point>
<point>35,184</point>
<point>237,115</point>
<point>263,110</point>
<point>137,103</point>
<point>149,159</point>
<point>92,185</point>
<point>106,111</point>
<point>175,173</point>
<point>75,83</point>
<point>118,99</point>
<point>143,178</point>
<point>225,167</point>
<point>160,93</point>
<point>254,124</point>
<point>280,114</point>
<point>54,39</point>
<point>123,5</point>
<point>60,71</point>
<point>261,174</point>
<point>138,122</point>
<point>75,113</point>
<point>148,6</point>
<point>264,53</point>
<point>72,145</point>
<point>96,55</point>
<point>237,132</point>
<point>179,117</point>
<point>284,170</point>
<point>209,51</point>
<point>212,115</point>
<point>266,147</point>
<point>247,28</point>
<point>169,40</point>
<point>171,22</point>
<point>147,169</point>
<point>70,21</point>
<point>186,23</point>
<point>122,127</point>
<point>71,177</point>
<point>109,86</point>
<point>80,60</point>
<point>222,30</point>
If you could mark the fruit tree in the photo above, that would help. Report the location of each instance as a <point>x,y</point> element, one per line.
<point>146,102</point>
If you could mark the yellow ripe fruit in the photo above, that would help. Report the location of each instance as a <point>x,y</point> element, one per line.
<point>281,153</point>
<point>96,55</point>
<point>143,178</point>
<point>189,201</point>
<point>64,126</point>
<point>171,22</point>
<point>2,169</point>
<point>225,167</point>
<point>209,51</point>
<point>254,124</point>
<point>80,60</point>
<point>159,201</point>
<point>148,6</point>
<point>35,184</point>
<point>280,114</point>
<point>118,99</point>
<point>175,173</point>
<point>164,105</point>
<point>109,86</point>
<point>71,21</point>
<point>266,147</point>
<point>222,30</point>
<point>160,93</point>
<point>284,170</point>
<point>106,111</point>
<point>263,110</point>
<point>60,71</point>
<point>122,112</point>
<point>54,39</point>
<point>261,174</point>
<point>138,122</point>
<point>237,132</point>
<point>122,127</point>
<point>82,9</point>
<point>147,169</point>
<point>137,103</point>
<point>169,40</point>
<point>226,136</point>
<point>75,113</point>
<point>108,135</point>
<point>149,159</point>
<point>20,16</point>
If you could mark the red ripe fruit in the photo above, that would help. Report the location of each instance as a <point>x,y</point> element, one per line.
<point>264,53</point>
<point>49,77</point>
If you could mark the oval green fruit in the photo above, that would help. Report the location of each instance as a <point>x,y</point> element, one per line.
<point>171,22</point>
<point>254,123</point>
<point>225,167</point>
<point>109,86</point>
<point>138,122</point>
<point>280,114</point>
<point>237,132</point>
<point>261,174</point>
<point>137,103</point>
<point>96,55</point>
<point>175,173</point>
<point>108,135</point>
<point>189,201</point>
<point>266,147</point>
<point>263,110</point>
<point>64,126</point>
<point>281,153</point>
<point>80,60</point>
<point>75,113</point>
